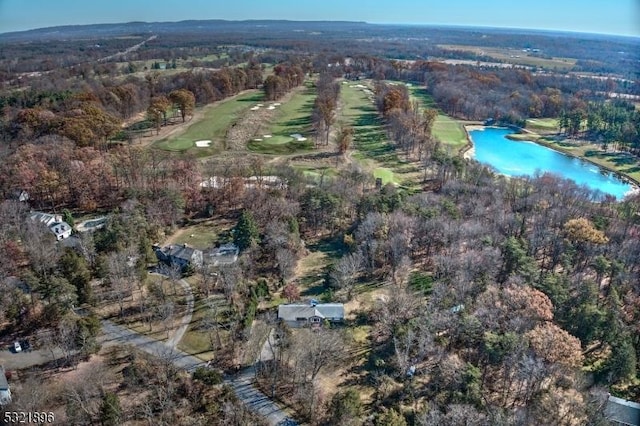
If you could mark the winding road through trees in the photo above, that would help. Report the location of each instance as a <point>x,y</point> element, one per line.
<point>242,383</point>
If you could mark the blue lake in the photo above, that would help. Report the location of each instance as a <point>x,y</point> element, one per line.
<point>522,158</point>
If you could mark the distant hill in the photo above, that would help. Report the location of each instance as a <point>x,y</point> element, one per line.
<point>191,26</point>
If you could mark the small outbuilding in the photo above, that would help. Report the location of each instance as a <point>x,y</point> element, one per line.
<point>226,254</point>
<point>622,412</point>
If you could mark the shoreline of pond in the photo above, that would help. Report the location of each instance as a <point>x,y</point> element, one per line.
<point>468,152</point>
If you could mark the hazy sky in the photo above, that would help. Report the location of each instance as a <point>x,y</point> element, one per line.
<point>597,16</point>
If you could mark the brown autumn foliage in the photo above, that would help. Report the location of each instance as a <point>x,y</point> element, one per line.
<point>582,230</point>
<point>555,345</point>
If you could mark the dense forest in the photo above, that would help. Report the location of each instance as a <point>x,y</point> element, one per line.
<point>497,301</point>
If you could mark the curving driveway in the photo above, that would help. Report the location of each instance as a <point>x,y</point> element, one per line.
<point>186,318</point>
<point>242,383</point>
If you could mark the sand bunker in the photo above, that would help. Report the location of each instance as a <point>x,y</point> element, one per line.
<point>255,108</point>
<point>258,139</point>
<point>267,136</point>
<point>271,107</point>
<point>203,143</point>
<point>276,104</point>
<point>298,137</point>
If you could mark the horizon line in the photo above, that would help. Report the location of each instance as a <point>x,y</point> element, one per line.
<point>408,24</point>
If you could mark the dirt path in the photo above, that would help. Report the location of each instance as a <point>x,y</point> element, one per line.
<point>174,237</point>
<point>177,334</point>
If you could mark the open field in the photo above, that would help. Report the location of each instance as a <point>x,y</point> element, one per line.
<point>213,126</point>
<point>515,56</point>
<point>449,131</point>
<point>292,117</point>
<point>202,235</point>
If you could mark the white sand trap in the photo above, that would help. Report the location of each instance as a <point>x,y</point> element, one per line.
<point>298,137</point>
<point>203,143</point>
<point>258,139</point>
<point>267,136</point>
<point>255,108</point>
<point>259,105</point>
<point>271,107</point>
<point>302,139</point>
<point>276,104</point>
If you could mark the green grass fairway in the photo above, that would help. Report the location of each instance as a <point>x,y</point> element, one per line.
<point>449,131</point>
<point>292,117</point>
<point>372,149</point>
<point>542,124</point>
<point>213,126</point>
<point>446,129</point>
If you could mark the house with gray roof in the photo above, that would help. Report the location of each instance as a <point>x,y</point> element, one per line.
<point>622,412</point>
<point>179,254</point>
<point>226,254</point>
<point>301,315</point>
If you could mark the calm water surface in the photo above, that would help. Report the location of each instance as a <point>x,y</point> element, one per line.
<point>518,158</point>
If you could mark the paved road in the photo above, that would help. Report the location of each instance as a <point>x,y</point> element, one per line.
<point>242,383</point>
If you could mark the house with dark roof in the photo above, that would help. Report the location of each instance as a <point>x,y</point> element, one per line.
<point>622,412</point>
<point>179,254</point>
<point>300,315</point>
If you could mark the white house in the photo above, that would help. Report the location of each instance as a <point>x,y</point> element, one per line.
<point>60,228</point>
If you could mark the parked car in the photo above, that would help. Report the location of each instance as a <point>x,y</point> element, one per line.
<point>16,347</point>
